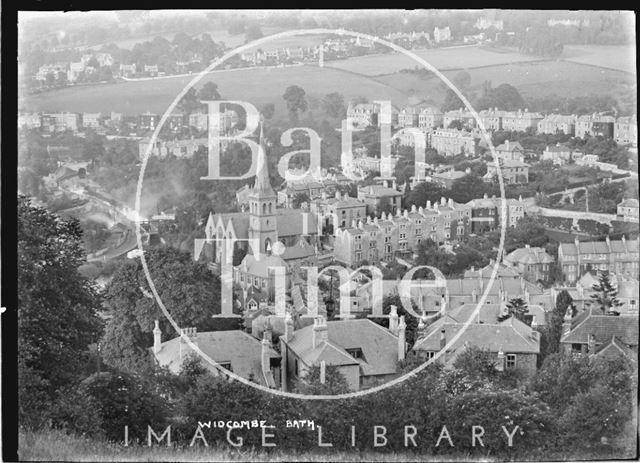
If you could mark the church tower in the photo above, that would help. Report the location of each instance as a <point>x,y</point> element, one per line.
<point>262,206</point>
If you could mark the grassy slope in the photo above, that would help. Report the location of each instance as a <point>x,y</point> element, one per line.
<point>57,446</point>
<point>355,77</point>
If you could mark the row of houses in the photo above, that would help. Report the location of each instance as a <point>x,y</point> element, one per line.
<point>276,351</point>
<point>623,130</point>
<point>140,124</point>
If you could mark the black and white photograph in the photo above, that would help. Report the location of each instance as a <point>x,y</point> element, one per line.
<point>321,235</point>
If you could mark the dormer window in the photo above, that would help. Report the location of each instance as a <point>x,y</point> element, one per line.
<point>356,353</point>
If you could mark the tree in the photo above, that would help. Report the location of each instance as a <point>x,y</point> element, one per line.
<point>335,382</point>
<point>606,295</point>
<point>187,289</point>
<point>504,96</point>
<point>189,102</point>
<point>456,124</point>
<point>209,92</point>
<point>57,307</point>
<point>333,105</point>
<point>451,101</point>
<point>122,399</point>
<point>462,80</point>
<point>295,99</point>
<point>470,187</point>
<point>298,199</point>
<point>268,110</point>
<point>551,334</point>
<point>517,308</point>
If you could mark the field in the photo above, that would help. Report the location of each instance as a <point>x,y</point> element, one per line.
<point>533,79</point>
<point>257,86</point>
<point>622,58</point>
<point>375,77</point>
<point>464,57</point>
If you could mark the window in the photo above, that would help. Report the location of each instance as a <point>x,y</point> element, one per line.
<point>358,256</point>
<point>296,368</point>
<point>226,366</point>
<point>511,360</point>
<point>355,353</point>
<point>264,284</point>
<point>428,355</point>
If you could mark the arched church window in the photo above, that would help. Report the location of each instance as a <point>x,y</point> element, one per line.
<point>264,208</point>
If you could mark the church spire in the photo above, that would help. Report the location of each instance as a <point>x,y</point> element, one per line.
<point>263,184</point>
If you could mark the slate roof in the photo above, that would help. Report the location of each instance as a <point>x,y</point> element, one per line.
<point>603,327</point>
<point>528,255</point>
<point>261,267</point>
<point>300,250</point>
<point>513,146</point>
<point>615,347</point>
<point>599,247</point>
<point>236,347</point>
<point>484,332</point>
<point>379,346</point>
<point>504,271</point>
<point>289,222</point>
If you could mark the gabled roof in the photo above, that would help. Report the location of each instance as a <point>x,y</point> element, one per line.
<point>300,250</point>
<point>261,267</point>
<point>379,346</point>
<point>615,347</point>
<point>510,147</point>
<point>510,336</point>
<point>528,255</point>
<point>236,347</point>
<point>603,327</point>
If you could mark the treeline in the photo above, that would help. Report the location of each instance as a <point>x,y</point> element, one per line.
<point>570,407</point>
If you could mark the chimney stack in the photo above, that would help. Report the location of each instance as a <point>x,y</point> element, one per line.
<point>320,333</point>
<point>157,338</point>
<point>428,204</point>
<point>402,344</point>
<point>500,365</point>
<point>393,320</point>
<point>323,372</point>
<point>566,324</point>
<point>288,327</point>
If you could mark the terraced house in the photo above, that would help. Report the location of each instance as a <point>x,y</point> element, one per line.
<point>381,239</point>
<point>615,256</point>
<point>520,121</point>
<point>558,123</point>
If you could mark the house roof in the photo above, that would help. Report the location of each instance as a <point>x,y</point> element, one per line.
<point>261,267</point>
<point>529,255</point>
<point>615,346</point>
<point>300,250</point>
<point>510,336</point>
<point>629,202</point>
<point>510,147</point>
<point>599,247</point>
<point>379,346</point>
<point>504,271</point>
<point>379,190</point>
<point>243,351</point>
<point>603,327</point>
